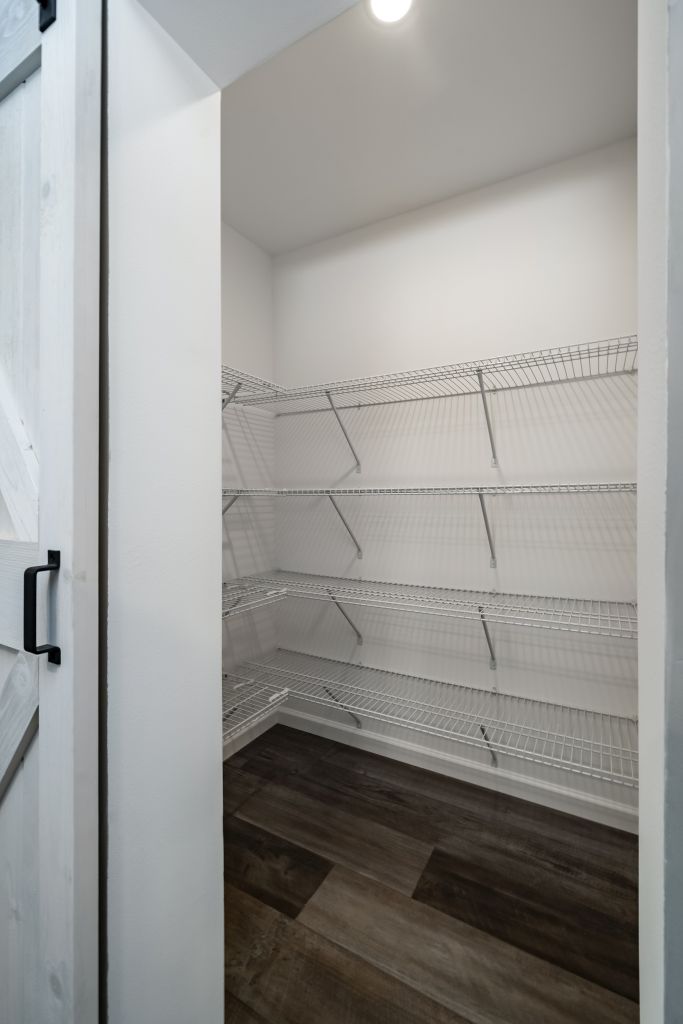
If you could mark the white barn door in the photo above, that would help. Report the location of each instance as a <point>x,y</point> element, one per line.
<point>49,352</point>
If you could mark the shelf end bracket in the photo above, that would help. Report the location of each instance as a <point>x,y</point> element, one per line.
<point>343,430</point>
<point>489,426</point>
<point>487,527</point>
<point>335,506</point>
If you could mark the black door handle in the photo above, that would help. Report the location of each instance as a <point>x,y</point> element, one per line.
<point>54,654</point>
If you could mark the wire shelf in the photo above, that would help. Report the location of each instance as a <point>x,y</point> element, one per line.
<point>245,388</point>
<point>270,492</point>
<point>574,615</point>
<point>246,702</point>
<point>246,595</point>
<point>588,743</point>
<point>608,358</point>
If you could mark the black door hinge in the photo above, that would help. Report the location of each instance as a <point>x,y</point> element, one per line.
<point>48,13</point>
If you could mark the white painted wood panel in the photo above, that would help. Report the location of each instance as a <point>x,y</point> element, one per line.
<point>19,304</point>
<point>14,558</point>
<point>19,903</point>
<point>18,716</point>
<point>19,43</point>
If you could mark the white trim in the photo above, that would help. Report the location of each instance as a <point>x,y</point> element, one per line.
<point>607,812</point>
<point>69,452</point>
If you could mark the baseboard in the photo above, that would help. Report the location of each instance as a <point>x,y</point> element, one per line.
<point>232,746</point>
<point>584,805</point>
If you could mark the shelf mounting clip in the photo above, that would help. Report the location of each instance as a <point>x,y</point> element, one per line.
<point>335,506</point>
<point>343,430</point>
<point>489,426</point>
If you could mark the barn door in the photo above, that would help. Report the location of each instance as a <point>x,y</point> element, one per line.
<point>49,350</point>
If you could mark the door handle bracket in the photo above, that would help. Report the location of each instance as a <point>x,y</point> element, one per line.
<point>54,653</point>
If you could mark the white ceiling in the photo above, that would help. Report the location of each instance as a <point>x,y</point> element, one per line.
<point>226,38</point>
<point>357,122</point>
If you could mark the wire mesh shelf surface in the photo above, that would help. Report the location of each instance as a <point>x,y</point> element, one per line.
<point>611,357</point>
<point>246,595</point>
<point>269,492</point>
<point>585,742</point>
<point>245,388</point>
<point>599,618</point>
<point>246,702</point>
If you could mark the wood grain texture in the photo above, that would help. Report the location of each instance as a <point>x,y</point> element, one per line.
<point>520,904</point>
<point>272,869</point>
<point>282,751</point>
<point>15,557</point>
<point>472,973</point>
<point>371,849</point>
<point>19,325</point>
<point>286,974</point>
<point>238,785</point>
<point>18,716</point>
<point>237,1013</point>
<point>449,809</point>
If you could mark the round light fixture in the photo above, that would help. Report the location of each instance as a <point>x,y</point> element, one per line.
<point>390,11</point>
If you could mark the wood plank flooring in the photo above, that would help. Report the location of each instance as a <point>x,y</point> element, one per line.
<point>360,890</point>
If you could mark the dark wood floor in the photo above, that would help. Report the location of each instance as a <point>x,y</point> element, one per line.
<point>360,890</point>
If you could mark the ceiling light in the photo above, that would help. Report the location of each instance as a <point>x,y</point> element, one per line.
<point>390,11</point>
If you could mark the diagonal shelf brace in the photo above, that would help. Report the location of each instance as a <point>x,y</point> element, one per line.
<point>487,526</point>
<point>228,400</point>
<point>359,635</point>
<point>343,430</point>
<point>489,427</point>
<point>333,696</point>
<point>494,757</point>
<point>230,503</point>
<point>487,634</point>
<point>350,532</point>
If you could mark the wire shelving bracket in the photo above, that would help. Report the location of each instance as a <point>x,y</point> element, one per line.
<point>344,431</point>
<point>335,602</point>
<point>335,506</point>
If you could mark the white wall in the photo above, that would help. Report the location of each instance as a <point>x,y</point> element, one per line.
<point>165,885</point>
<point>247,286</point>
<point>545,259</point>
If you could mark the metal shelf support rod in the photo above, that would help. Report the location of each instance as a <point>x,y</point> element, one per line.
<point>230,503</point>
<point>359,635</point>
<point>350,532</point>
<point>485,626</point>
<point>494,457</point>
<point>343,430</point>
<point>228,400</point>
<point>488,530</point>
